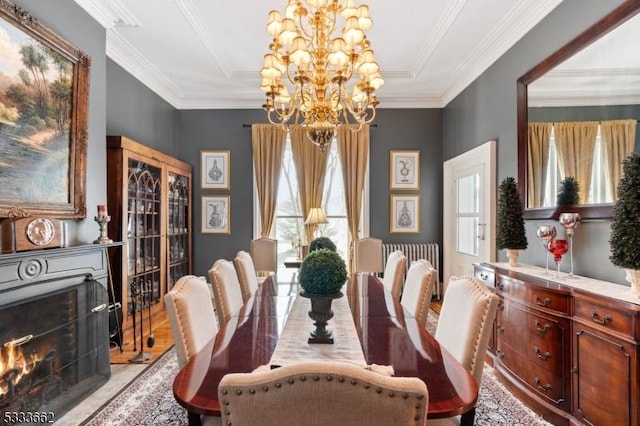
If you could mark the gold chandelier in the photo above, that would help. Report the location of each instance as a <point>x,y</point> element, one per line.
<point>307,74</point>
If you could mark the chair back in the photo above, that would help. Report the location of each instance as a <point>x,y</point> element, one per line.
<point>264,252</point>
<point>226,289</point>
<point>394,270</point>
<point>369,255</point>
<point>190,311</point>
<point>467,315</point>
<point>246,274</point>
<point>418,289</point>
<point>321,394</point>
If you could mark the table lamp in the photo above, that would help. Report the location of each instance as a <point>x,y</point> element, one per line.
<point>316,217</point>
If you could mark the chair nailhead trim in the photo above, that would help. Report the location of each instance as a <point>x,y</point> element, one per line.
<point>392,394</point>
<point>354,382</point>
<point>367,385</point>
<point>252,391</point>
<point>278,384</point>
<point>316,378</point>
<point>405,396</point>
<point>419,397</point>
<point>291,381</point>
<point>238,392</point>
<point>329,378</point>
<point>303,378</point>
<point>224,391</point>
<point>379,390</point>
<point>265,388</point>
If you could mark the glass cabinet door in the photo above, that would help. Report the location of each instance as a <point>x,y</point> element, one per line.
<point>178,228</point>
<point>143,235</point>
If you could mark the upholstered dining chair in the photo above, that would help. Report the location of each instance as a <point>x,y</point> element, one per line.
<point>264,252</point>
<point>369,255</point>
<point>227,293</point>
<point>193,322</point>
<point>394,270</point>
<point>418,289</point>
<point>246,274</point>
<point>320,394</point>
<point>464,327</point>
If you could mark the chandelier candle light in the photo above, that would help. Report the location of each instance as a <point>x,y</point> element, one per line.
<point>316,50</point>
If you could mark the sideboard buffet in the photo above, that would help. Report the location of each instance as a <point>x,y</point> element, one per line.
<point>568,347</point>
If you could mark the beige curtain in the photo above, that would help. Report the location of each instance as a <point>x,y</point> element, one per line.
<point>538,161</point>
<point>618,139</point>
<point>268,143</point>
<point>353,148</point>
<point>311,165</point>
<point>575,141</point>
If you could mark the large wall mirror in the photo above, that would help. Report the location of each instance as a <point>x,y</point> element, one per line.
<point>578,114</point>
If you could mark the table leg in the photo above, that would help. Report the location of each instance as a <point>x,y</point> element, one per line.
<point>194,419</point>
<point>467,418</point>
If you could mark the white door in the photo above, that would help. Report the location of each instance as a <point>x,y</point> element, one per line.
<point>469,210</point>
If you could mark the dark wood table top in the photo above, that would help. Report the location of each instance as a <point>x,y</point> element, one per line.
<point>389,337</point>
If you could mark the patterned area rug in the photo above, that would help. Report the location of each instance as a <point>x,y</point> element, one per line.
<point>148,400</point>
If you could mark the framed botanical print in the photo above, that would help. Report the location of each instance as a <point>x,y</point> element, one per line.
<point>404,213</point>
<point>404,169</point>
<point>44,99</point>
<point>216,214</point>
<point>215,169</point>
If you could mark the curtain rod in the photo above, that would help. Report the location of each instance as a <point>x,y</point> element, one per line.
<point>370,125</point>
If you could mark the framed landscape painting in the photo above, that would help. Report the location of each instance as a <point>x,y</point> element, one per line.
<point>215,169</point>
<point>404,169</point>
<point>44,92</point>
<point>404,212</point>
<point>216,214</point>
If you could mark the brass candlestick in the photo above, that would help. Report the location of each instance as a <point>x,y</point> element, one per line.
<point>102,223</point>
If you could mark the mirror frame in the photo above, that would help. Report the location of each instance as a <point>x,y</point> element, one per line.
<point>612,20</point>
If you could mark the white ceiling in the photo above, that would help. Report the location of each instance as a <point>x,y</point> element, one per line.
<point>203,54</point>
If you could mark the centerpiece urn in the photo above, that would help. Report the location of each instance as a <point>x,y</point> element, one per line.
<point>322,275</point>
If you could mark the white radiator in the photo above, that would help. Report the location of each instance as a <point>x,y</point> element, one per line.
<point>415,251</point>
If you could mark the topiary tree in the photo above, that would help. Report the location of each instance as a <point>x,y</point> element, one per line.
<point>568,192</point>
<point>323,271</point>
<point>510,227</point>
<point>625,226</point>
<point>322,243</point>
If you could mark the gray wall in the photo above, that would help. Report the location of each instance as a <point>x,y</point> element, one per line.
<point>223,129</point>
<point>487,110</point>
<point>134,111</point>
<point>71,22</point>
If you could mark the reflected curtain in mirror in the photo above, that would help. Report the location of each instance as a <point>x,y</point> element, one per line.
<point>618,139</point>
<point>267,142</point>
<point>354,152</point>
<point>574,143</point>
<point>538,157</point>
<point>311,166</point>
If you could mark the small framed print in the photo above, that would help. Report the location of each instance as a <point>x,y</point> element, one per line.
<point>216,214</point>
<point>215,169</point>
<point>404,169</point>
<point>404,213</point>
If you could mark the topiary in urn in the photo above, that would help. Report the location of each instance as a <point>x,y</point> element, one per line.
<point>322,275</point>
<point>625,224</point>
<point>322,243</point>
<point>510,233</point>
<point>323,271</point>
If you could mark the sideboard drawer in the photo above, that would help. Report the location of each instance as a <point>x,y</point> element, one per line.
<point>533,295</point>
<point>606,317</point>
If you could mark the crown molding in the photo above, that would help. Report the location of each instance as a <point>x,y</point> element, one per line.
<point>109,14</point>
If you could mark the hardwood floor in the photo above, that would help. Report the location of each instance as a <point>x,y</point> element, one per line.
<point>161,330</point>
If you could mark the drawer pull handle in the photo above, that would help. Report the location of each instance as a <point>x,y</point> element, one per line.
<point>500,354</point>
<point>499,285</point>
<point>546,302</point>
<point>543,388</point>
<point>596,318</point>
<point>484,276</point>
<point>544,328</point>
<point>99,308</point>
<point>500,329</point>
<point>543,356</point>
<point>501,307</point>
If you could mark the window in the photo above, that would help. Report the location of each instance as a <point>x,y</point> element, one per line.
<point>289,222</point>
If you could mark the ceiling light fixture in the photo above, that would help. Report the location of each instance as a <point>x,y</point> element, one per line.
<point>307,74</point>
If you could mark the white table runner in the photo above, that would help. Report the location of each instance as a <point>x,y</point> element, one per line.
<point>292,346</point>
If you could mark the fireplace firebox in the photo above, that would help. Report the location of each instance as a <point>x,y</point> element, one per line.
<point>54,331</point>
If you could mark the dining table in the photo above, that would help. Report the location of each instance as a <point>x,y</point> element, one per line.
<point>388,335</point>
